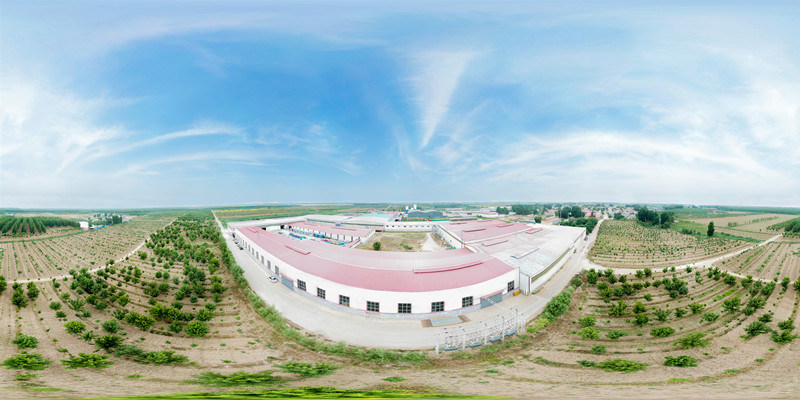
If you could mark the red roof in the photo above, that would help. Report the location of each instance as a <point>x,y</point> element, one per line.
<point>384,270</point>
<point>333,230</point>
<point>471,231</point>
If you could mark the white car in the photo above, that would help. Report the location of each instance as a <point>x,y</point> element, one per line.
<point>272,279</point>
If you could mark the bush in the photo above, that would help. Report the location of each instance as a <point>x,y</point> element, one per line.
<point>25,341</point>
<point>55,305</point>
<point>111,326</point>
<point>558,305</point>
<point>697,308</point>
<point>786,325</point>
<point>756,328</point>
<point>692,340</point>
<point>143,322</point>
<point>197,329</point>
<point>108,342</point>
<point>784,337</point>
<point>665,331</point>
<point>589,333</point>
<point>639,308</point>
<point>84,360</point>
<point>576,281</point>
<point>587,321</point>
<point>661,314</point>
<point>732,304</point>
<point>599,349</point>
<point>618,309</point>
<point>308,370</point>
<point>204,315</point>
<point>586,363</point>
<point>766,318</point>
<point>75,327</point>
<point>641,320</point>
<point>620,365</point>
<point>175,327</point>
<point>614,335</point>
<point>710,316</point>
<point>241,378</point>
<point>31,362</point>
<point>680,361</point>
<point>679,312</point>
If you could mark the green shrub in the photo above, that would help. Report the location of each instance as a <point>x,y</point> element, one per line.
<point>639,308</point>
<point>766,318</point>
<point>31,362</point>
<point>197,329</point>
<point>108,342</point>
<point>599,349</point>
<point>618,309</point>
<point>661,314</point>
<point>786,325</point>
<point>308,370</point>
<point>680,361</point>
<point>641,320</point>
<point>697,308</point>
<point>756,328</point>
<point>587,321</point>
<point>784,337</point>
<point>576,281</point>
<point>665,331</point>
<point>240,378</point>
<point>84,360</point>
<point>25,341</point>
<point>614,335</point>
<point>586,363</point>
<point>75,327</point>
<point>589,333</point>
<point>558,305</point>
<point>394,379</point>
<point>710,316</point>
<point>620,365</point>
<point>111,326</point>
<point>55,305</point>
<point>692,340</point>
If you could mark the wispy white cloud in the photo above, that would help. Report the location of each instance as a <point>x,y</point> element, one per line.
<point>312,143</point>
<point>202,158</point>
<point>435,77</point>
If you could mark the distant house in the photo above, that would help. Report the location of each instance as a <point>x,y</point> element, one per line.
<point>84,225</point>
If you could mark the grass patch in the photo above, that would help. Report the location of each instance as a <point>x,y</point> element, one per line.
<point>236,379</point>
<point>308,392</point>
<point>620,365</point>
<point>84,360</point>
<point>308,370</point>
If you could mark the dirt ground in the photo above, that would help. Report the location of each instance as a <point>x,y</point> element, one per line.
<point>402,241</point>
<point>544,366</point>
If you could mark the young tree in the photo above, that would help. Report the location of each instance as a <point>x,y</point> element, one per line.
<point>376,246</point>
<point>710,228</point>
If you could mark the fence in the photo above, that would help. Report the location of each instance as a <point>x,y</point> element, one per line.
<point>479,334</point>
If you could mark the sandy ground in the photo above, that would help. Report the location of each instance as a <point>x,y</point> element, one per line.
<point>241,340</point>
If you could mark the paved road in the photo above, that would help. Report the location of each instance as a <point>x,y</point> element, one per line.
<point>392,333</point>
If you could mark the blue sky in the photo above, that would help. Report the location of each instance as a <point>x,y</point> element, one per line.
<point>135,104</point>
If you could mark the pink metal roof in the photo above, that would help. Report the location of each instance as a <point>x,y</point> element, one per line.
<point>384,270</point>
<point>472,231</point>
<point>333,230</point>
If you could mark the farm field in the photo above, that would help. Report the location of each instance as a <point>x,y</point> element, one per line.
<point>279,211</point>
<point>597,328</point>
<point>747,225</point>
<point>626,244</point>
<point>174,310</point>
<point>43,258</point>
<point>779,259</point>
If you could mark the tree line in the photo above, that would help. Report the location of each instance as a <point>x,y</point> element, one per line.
<point>10,224</point>
<point>652,217</point>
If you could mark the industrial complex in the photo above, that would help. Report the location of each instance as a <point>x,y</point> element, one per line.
<point>482,261</point>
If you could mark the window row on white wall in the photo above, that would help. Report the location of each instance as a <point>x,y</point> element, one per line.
<point>387,302</point>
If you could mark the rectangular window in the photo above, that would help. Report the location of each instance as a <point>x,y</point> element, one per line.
<point>321,293</point>
<point>437,306</point>
<point>269,265</point>
<point>344,300</point>
<point>301,285</point>
<point>277,270</point>
<point>373,306</point>
<point>511,286</point>
<point>404,308</point>
<point>466,301</point>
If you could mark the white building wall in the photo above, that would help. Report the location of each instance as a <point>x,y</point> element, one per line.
<point>447,237</point>
<point>415,226</point>
<point>420,301</point>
